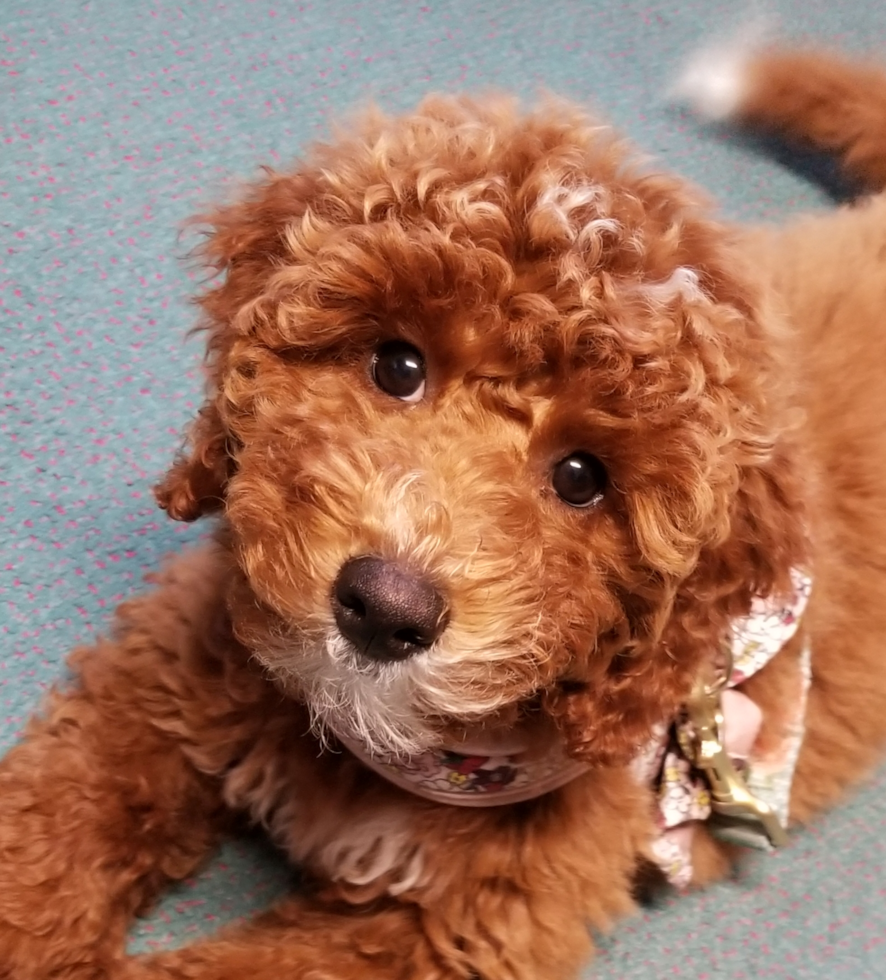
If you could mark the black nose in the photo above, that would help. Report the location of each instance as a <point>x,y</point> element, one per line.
<point>386,612</point>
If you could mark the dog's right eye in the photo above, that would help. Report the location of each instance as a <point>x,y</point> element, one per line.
<point>399,369</point>
<point>579,480</point>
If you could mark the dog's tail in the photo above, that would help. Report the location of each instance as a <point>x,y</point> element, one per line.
<point>812,98</point>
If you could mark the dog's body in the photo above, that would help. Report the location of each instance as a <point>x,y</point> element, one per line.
<point>731,384</point>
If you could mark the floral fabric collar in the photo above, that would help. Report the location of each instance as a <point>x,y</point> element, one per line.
<point>495,773</point>
<point>681,793</point>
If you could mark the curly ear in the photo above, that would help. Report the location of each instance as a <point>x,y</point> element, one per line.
<point>195,484</point>
<point>243,240</point>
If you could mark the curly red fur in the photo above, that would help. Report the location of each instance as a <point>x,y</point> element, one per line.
<point>435,229</point>
<point>563,300</point>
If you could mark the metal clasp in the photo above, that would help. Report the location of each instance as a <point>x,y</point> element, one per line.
<point>737,815</point>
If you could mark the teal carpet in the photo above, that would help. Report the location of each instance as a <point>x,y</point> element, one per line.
<point>119,118</point>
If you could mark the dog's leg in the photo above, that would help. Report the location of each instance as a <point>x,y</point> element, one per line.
<point>102,802</point>
<point>300,940</point>
<point>503,894</point>
<point>96,812</point>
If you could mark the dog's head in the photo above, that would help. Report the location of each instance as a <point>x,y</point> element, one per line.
<point>493,424</point>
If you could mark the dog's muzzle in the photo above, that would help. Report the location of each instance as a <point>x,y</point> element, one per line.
<point>386,612</point>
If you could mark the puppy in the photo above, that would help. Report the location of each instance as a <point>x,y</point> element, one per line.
<point>550,552</point>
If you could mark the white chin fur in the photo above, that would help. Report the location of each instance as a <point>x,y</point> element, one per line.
<point>383,706</point>
<point>372,703</point>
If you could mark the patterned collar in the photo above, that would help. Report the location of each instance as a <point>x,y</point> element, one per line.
<point>494,772</point>
<point>489,770</point>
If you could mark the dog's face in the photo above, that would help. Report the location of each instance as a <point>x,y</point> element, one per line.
<point>491,422</point>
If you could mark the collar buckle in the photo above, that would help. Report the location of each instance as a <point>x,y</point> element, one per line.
<point>737,816</point>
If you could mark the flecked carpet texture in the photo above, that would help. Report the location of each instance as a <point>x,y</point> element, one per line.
<point>121,118</point>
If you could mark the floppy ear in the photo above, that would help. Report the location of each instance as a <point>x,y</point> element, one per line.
<point>196,483</point>
<point>243,241</point>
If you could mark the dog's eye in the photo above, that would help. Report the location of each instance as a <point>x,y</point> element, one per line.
<point>579,479</point>
<point>399,369</point>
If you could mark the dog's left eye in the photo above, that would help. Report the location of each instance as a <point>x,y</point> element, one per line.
<point>399,369</point>
<point>579,480</point>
